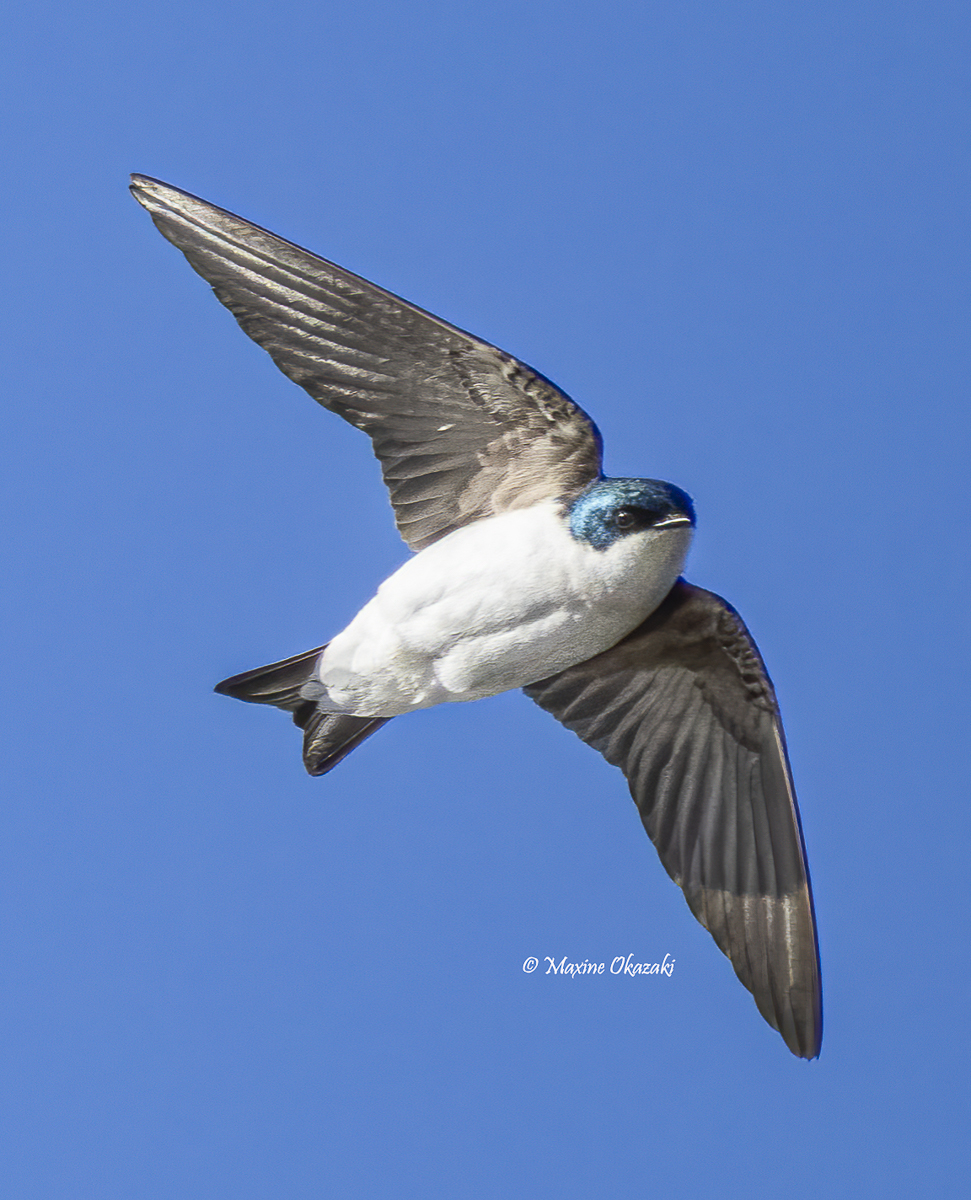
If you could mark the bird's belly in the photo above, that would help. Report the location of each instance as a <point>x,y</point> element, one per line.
<point>494,606</point>
<point>539,644</point>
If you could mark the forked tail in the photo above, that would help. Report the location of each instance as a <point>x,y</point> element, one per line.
<point>327,737</point>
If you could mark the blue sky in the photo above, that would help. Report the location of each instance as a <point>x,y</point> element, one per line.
<point>737,235</point>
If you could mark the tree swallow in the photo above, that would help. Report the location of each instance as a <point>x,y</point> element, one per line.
<point>531,570</point>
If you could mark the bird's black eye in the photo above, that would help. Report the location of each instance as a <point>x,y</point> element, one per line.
<point>625,519</point>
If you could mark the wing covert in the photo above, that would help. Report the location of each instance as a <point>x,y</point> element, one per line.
<point>462,430</point>
<point>685,708</point>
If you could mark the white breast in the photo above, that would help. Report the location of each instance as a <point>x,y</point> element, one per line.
<point>495,605</point>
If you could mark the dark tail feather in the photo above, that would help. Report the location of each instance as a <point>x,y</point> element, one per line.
<point>330,737</point>
<point>279,683</point>
<point>327,737</point>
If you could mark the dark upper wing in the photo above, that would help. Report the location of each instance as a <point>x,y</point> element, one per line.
<point>685,708</point>
<point>462,430</point>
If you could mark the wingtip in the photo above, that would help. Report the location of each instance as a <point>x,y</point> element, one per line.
<point>152,194</point>
<point>808,1053</point>
<point>806,1042</point>
<point>142,185</point>
<point>155,194</point>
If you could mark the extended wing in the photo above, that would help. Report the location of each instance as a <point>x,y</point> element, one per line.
<point>684,707</point>
<point>462,430</point>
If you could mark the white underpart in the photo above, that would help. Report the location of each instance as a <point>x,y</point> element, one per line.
<point>496,605</point>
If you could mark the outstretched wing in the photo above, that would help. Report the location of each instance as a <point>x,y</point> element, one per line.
<point>684,707</point>
<point>462,430</point>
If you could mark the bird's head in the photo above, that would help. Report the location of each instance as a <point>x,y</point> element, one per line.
<point>613,509</point>
<point>638,532</point>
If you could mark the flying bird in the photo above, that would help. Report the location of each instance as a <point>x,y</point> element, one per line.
<point>531,570</point>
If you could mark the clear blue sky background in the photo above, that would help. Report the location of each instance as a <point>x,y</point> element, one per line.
<point>737,233</point>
